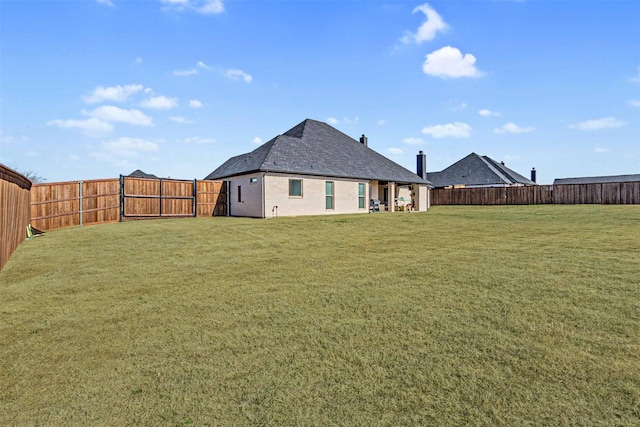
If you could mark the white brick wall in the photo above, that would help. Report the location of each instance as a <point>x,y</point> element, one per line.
<point>251,193</point>
<point>313,200</point>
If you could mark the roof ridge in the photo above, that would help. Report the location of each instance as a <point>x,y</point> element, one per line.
<point>502,174</point>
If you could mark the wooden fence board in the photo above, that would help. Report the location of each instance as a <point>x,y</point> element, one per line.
<point>605,193</point>
<point>55,205</point>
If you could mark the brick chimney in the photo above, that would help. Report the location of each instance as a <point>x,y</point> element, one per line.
<point>421,167</point>
<point>364,141</point>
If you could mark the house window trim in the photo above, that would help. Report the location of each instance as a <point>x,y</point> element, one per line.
<point>295,196</point>
<point>331,196</point>
<point>253,180</point>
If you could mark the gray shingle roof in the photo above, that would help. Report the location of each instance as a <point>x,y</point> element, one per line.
<point>598,179</point>
<point>475,170</point>
<point>140,174</point>
<point>315,148</point>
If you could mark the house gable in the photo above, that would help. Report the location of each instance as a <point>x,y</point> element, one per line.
<point>477,171</point>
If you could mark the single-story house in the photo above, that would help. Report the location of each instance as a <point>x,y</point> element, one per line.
<point>315,169</point>
<point>598,179</point>
<point>476,171</point>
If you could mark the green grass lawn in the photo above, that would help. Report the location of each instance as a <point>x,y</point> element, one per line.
<point>518,315</point>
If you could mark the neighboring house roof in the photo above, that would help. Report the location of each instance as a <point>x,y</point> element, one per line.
<point>140,174</point>
<point>315,148</point>
<point>475,170</point>
<point>598,179</point>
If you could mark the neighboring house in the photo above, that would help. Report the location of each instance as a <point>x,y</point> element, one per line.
<point>598,179</point>
<point>140,174</point>
<point>478,171</point>
<point>314,169</point>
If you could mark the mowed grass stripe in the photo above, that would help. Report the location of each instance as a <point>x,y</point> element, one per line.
<point>464,315</point>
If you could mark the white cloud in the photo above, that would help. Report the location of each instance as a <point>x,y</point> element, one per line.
<point>513,128</point>
<point>198,140</point>
<point>634,102</point>
<point>427,31</point>
<point>488,113</point>
<point>597,124</point>
<point>8,139</point>
<point>257,140</point>
<point>194,103</point>
<point>345,120</point>
<point>455,105</point>
<point>636,79</point>
<point>239,75</point>
<point>112,93</point>
<point>160,103</point>
<point>129,147</point>
<point>179,119</point>
<point>204,7</point>
<point>449,130</point>
<point>413,141</point>
<point>601,150</point>
<point>109,113</point>
<point>138,61</point>
<point>394,150</point>
<point>382,122</point>
<point>449,62</point>
<point>184,73</point>
<point>203,65</point>
<point>5,139</point>
<point>90,126</point>
<point>106,2</point>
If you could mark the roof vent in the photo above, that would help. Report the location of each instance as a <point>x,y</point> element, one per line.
<point>364,140</point>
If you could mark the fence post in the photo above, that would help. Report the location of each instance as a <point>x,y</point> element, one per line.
<point>80,200</point>
<point>195,198</point>
<point>121,198</point>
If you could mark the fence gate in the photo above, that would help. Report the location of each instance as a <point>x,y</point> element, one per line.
<point>157,198</point>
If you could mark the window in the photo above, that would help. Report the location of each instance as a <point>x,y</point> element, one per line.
<point>361,195</point>
<point>329,194</point>
<point>295,188</point>
<point>253,180</point>
<point>239,193</point>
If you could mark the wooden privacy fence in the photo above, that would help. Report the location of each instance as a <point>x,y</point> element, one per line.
<point>64,204</point>
<point>155,198</point>
<point>14,211</point>
<point>623,193</point>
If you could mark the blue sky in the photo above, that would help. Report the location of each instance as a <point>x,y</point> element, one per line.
<point>97,88</point>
